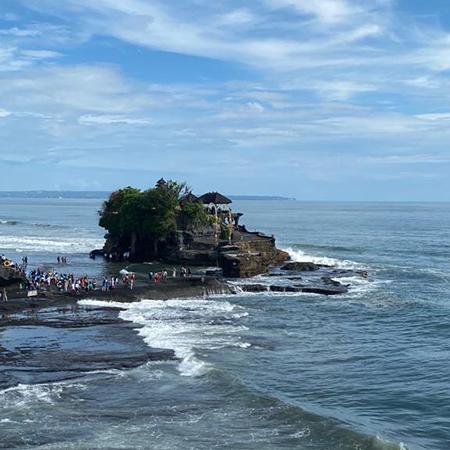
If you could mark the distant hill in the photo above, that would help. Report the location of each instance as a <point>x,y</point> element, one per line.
<point>55,194</point>
<point>105,194</point>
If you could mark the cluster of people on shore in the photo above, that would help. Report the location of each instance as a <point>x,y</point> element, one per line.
<point>113,282</point>
<point>41,280</point>
<point>156,277</point>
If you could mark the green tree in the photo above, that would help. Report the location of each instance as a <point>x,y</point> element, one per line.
<point>134,217</point>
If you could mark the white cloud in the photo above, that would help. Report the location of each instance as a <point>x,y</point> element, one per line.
<point>253,36</point>
<point>236,17</point>
<point>13,58</point>
<point>435,116</point>
<point>39,54</point>
<point>75,88</point>
<point>341,89</point>
<point>255,106</point>
<point>4,113</point>
<point>20,32</point>
<point>406,159</point>
<point>327,11</point>
<point>89,119</point>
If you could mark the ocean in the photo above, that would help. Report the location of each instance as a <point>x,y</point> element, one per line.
<point>366,370</point>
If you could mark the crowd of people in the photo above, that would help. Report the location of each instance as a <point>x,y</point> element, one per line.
<point>41,279</point>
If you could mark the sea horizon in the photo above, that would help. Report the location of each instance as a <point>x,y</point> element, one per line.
<point>103,194</point>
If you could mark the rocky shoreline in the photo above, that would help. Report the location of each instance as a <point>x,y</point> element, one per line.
<point>170,288</point>
<point>51,337</point>
<point>290,278</point>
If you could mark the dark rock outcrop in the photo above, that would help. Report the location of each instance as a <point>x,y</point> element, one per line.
<point>298,266</point>
<point>9,276</point>
<point>334,289</point>
<point>250,257</point>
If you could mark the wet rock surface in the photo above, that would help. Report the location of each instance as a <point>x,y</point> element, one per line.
<point>324,290</point>
<point>195,286</point>
<point>66,343</point>
<point>306,277</point>
<point>296,266</point>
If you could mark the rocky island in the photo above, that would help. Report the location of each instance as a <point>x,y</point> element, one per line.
<point>169,223</point>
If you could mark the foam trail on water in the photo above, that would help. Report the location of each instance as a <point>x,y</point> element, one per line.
<point>184,326</point>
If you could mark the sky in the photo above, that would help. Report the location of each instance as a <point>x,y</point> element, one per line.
<point>313,99</point>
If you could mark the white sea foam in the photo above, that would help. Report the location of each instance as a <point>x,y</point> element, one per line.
<point>300,256</point>
<point>49,244</point>
<point>360,287</point>
<point>102,303</point>
<point>26,395</point>
<point>185,326</point>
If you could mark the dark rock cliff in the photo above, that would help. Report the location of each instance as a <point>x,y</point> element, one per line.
<point>10,276</point>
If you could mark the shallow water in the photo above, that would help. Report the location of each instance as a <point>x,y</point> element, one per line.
<point>366,370</point>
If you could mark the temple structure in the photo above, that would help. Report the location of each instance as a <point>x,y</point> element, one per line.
<point>225,243</point>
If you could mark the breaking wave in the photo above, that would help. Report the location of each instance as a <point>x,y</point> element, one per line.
<point>300,256</point>
<point>184,326</point>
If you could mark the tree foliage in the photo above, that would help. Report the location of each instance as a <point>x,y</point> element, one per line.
<point>149,214</point>
<point>131,215</point>
<point>196,214</point>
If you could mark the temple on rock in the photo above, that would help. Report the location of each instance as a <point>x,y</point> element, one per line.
<point>205,231</point>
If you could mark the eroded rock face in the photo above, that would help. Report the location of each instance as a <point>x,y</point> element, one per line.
<point>251,257</point>
<point>245,255</point>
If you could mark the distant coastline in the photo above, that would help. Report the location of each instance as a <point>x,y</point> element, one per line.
<point>260,197</point>
<point>105,194</point>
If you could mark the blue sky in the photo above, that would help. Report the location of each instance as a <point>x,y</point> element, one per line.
<point>316,99</point>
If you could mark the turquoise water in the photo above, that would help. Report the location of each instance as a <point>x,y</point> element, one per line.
<point>366,370</point>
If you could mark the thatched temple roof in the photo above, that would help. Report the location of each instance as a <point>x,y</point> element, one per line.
<point>214,197</point>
